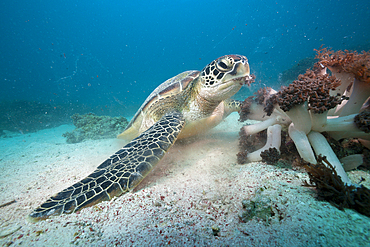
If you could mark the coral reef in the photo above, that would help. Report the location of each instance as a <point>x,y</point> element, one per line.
<point>249,144</point>
<point>270,156</point>
<point>325,115</point>
<point>353,69</point>
<point>362,121</point>
<point>315,103</point>
<point>90,126</point>
<point>273,141</point>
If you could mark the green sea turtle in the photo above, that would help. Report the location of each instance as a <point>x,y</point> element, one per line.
<point>182,106</point>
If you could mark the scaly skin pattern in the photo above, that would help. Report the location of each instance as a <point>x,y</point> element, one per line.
<point>118,174</point>
<point>232,106</point>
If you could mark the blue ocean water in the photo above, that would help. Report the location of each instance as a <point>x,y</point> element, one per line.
<point>112,54</point>
<point>109,55</point>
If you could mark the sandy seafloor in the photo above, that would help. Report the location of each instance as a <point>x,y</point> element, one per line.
<point>197,186</point>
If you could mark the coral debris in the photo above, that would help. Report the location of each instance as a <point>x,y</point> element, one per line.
<point>90,126</point>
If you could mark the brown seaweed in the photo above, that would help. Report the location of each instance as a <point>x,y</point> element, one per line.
<point>331,188</point>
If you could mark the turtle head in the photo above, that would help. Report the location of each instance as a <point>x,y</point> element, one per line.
<point>223,77</point>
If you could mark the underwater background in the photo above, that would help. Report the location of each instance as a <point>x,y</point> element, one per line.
<point>62,57</point>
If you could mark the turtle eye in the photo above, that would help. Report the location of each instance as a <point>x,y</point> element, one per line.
<point>222,65</point>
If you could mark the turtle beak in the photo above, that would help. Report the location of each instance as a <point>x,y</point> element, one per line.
<point>241,71</point>
<point>243,67</point>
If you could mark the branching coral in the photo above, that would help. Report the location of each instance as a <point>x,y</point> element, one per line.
<point>293,101</point>
<point>351,162</point>
<point>307,102</point>
<point>270,156</point>
<point>273,141</point>
<point>249,143</point>
<point>318,102</point>
<point>258,107</point>
<point>353,69</point>
<point>322,147</point>
<point>335,62</point>
<point>254,107</point>
<point>308,97</point>
<point>352,126</point>
<point>362,121</point>
<point>302,144</point>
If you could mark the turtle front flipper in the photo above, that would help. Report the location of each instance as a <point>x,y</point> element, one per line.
<point>231,106</point>
<point>120,173</point>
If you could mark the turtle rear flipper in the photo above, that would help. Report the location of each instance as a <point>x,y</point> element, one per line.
<point>120,173</point>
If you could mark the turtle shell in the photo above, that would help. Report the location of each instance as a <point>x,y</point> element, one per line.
<point>172,86</point>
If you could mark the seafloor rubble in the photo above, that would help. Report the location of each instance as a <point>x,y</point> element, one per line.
<point>322,115</point>
<point>90,126</point>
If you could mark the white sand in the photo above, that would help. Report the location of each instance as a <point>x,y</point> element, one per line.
<point>196,186</point>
